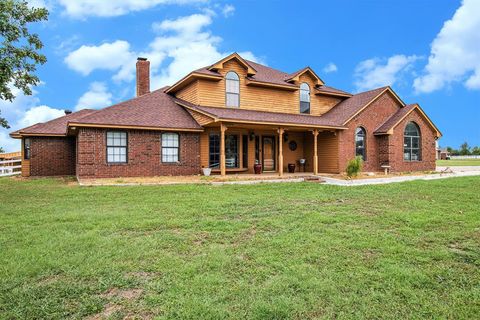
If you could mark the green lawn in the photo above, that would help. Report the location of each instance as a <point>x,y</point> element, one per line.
<point>272,251</point>
<point>455,163</point>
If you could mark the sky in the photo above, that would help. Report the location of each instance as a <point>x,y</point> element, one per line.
<point>428,51</point>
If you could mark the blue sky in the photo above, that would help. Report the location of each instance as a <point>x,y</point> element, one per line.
<point>428,51</point>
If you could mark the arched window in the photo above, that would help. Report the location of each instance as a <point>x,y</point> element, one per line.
<point>360,137</point>
<point>411,143</point>
<point>232,90</point>
<point>304,98</point>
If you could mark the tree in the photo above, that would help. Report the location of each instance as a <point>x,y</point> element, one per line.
<point>19,49</point>
<point>464,149</point>
<point>1,150</point>
<point>476,151</point>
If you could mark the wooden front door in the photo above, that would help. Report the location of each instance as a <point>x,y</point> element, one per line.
<point>268,152</point>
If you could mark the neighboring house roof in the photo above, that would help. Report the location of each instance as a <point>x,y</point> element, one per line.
<point>349,108</point>
<point>260,117</point>
<point>396,118</point>
<point>55,127</point>
<point>155,110</point>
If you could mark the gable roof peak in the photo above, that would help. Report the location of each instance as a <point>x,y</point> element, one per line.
<point>295,77</point>
<point>219,64</point>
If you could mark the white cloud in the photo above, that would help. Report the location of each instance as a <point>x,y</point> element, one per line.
<point>107,56</point>
<point>185,43</point>
<point>96,97</point>
<point>39,114</point>
<point>455,52</point>
<point>110,8</point>
<point>23,112</point>
<point>374,73</point>
<point>329,68</point>
<point>228,10</point>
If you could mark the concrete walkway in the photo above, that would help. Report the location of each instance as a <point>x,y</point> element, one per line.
<point>385,180</point>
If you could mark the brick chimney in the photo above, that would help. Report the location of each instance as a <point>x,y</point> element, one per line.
<point>143,76</point>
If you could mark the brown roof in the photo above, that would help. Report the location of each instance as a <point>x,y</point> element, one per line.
<point>269,75</point>
<point>156,109</point>
<point>56,126</point>
<point>230,114</point>
<point>330,90</point>
<point>394,119</point>
<point>346,109</point>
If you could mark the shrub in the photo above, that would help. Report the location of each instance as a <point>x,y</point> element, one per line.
<point>354,166</point>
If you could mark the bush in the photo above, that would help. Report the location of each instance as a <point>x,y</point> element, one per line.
<point>354,166</point>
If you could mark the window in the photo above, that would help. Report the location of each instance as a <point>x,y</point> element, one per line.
<point>360,137</point>
<point>411,143</point>
<point>116,147</point>
<point>170,147</point>
<point>231,151</point>
<point>304,98</point>
<point>232,90</point>
<point>26,149</point>
<point>245,151</point>
<point>214,151</point>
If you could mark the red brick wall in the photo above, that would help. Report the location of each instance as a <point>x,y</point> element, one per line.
<point>387,148</point>
<point>144,155</point>
<point>370,119</point>
<point>52,156</point>
<point>427,143</point>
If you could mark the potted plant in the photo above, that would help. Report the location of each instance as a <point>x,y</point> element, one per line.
<point>206,171</point>
<point>291,168</point>
<point>257,167</point>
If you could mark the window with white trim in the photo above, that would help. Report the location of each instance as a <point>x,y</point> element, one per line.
<point>411,143</point>
<point>116,147</point>
<point>232,90</point>
<point>304,98</point>
<point>170,147</point>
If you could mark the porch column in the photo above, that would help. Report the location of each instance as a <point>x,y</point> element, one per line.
<point>280,151</point>
<point>223,128</point>
<point>315,152</point>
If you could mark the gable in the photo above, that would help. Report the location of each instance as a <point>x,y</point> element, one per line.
<point>220,65</point>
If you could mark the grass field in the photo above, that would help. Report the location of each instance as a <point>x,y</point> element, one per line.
<point>456,163</point>
<point>273,251</point>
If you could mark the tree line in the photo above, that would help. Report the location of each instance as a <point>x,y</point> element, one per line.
<point>465,150</point>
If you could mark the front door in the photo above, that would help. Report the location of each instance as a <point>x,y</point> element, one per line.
<point>268,151</point>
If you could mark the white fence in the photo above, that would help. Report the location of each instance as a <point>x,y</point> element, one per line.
<point>464,157</point>
<point>10,167</point>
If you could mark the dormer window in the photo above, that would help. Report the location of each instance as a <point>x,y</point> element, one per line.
<point>232,89</point>
<point>304,98</point>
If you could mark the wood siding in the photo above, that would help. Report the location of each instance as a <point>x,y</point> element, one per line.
<point>212,93</point>
<point>25,163</point>
<point>327,143</point>
<point>189,93</point>
<point>200,118</point>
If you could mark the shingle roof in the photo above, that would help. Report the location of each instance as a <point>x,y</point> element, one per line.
<point>346,109</point>
<point>155,109</point>
<point>274,76</point>
<point>394,119</point>
<point>56,126</point>
<point>261,116</point>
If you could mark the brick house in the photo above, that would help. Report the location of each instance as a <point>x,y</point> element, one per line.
<point>232,116</point>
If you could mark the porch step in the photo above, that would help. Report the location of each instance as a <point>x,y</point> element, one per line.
<point>314,179</point>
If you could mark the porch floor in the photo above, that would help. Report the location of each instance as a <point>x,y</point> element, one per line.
<point>197,179</point>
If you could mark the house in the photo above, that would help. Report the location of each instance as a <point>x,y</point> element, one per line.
<point>231,116</point>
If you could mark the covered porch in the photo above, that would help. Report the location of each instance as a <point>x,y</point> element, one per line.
<point>232,148</point>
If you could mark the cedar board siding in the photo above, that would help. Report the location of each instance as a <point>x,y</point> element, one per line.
<point>189,93</point>
<point>212,93</point>
<point>25,163</point>
<point>327,150</point>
